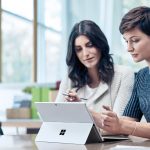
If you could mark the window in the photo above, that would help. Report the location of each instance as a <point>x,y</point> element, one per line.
<point>134,3</point>
<point>18,47</point>
<point>17,41</point>
<point>50,40</point>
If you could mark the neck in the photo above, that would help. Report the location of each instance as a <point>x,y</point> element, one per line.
<point>94,76</point>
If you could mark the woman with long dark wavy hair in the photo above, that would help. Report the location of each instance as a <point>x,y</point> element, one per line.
<point>92,76</point>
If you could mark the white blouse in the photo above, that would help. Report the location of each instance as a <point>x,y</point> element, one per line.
<point>115,95</point>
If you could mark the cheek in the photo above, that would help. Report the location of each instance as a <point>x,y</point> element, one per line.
<point>139,47</point>
<point>79,55</point>
<point>98,56</point>
<point>146,51</point>
<point>96,52</point>
<point>144,48</point>
<point>147,46</point>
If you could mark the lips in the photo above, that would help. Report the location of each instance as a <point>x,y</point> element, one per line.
<point>134,55</point>
<point>88,59</point>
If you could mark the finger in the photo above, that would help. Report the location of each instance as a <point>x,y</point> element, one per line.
<point>69,98</point>
<point>66,98</point>
<point>107,108</point>
<point>75,97</point>
<point>109,122</point>
<point>71,91</point>
<point>106,123</point>
<point>72,94</point>
<point>68,90</point>
<point>109,113</point>
<point>107,128</point>
<point>108,119</point>
<point>72,99</point>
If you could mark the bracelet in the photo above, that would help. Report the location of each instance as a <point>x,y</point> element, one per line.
<point>134,129</point>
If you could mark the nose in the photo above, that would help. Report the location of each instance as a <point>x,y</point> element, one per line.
<point>130,47</point>
<point>85,52</point>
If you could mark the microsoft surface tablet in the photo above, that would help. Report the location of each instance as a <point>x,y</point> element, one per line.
<point>66,122</point>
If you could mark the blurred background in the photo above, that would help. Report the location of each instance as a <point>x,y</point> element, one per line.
<point>34,35</point>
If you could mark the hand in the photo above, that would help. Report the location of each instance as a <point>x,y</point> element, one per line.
<point>98,118</point>
<point>111,122</point>
<point>72,96</point>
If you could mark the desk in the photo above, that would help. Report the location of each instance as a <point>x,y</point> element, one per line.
<point>24,142</point>
<point>30,124</point>
<point>27,123</point>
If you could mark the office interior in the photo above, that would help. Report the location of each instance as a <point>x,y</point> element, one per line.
<point>33,43</point>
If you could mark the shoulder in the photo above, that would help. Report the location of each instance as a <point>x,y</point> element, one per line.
<point>123,74</point>
<point>142,75</point>
<point>143,71</point>
<point>121,70</point>
<point>66,82</point>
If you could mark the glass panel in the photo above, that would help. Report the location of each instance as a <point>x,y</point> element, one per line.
<point>50,40</point>
<point>53,55</point>
<point>23,8</point>
<point>17,49</point>
<point>134,3</point>
<point>53,10</point>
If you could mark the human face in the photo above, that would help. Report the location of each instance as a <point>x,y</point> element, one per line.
<point>88,55</point>
<point>138,45</point>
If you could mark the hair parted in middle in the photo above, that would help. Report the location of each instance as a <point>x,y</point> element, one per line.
<point>77,71</point>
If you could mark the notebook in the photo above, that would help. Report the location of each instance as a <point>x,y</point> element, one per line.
<point>68,122</point>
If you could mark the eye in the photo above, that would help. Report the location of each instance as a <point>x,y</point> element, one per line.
<point>135,40</point>
<point>78,49</point>
<point>89,44</point>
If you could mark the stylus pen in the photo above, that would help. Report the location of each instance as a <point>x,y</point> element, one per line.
<point>65,94</point>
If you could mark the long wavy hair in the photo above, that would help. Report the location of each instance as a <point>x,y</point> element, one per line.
<point>76,70</point>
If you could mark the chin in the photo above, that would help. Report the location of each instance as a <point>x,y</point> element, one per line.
<point>89,65</point>
<point>137,60</point>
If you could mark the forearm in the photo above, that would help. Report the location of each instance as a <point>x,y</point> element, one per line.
<point>135,128</point>
<point>126,126</point>
<point>142,130</point>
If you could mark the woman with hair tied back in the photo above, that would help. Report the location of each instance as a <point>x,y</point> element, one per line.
<point>135,27</point>
<point>92,76</point>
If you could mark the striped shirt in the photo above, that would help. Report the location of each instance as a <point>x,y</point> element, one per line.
<point>139,103</point>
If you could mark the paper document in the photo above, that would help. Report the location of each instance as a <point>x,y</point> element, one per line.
<point>123,147</point>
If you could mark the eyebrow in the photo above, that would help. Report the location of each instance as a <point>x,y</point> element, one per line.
<point>77,46</point>
<point>134,36</point>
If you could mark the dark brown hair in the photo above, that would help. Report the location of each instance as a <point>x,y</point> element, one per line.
<point>77,71</point>
<point>137,17</point>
